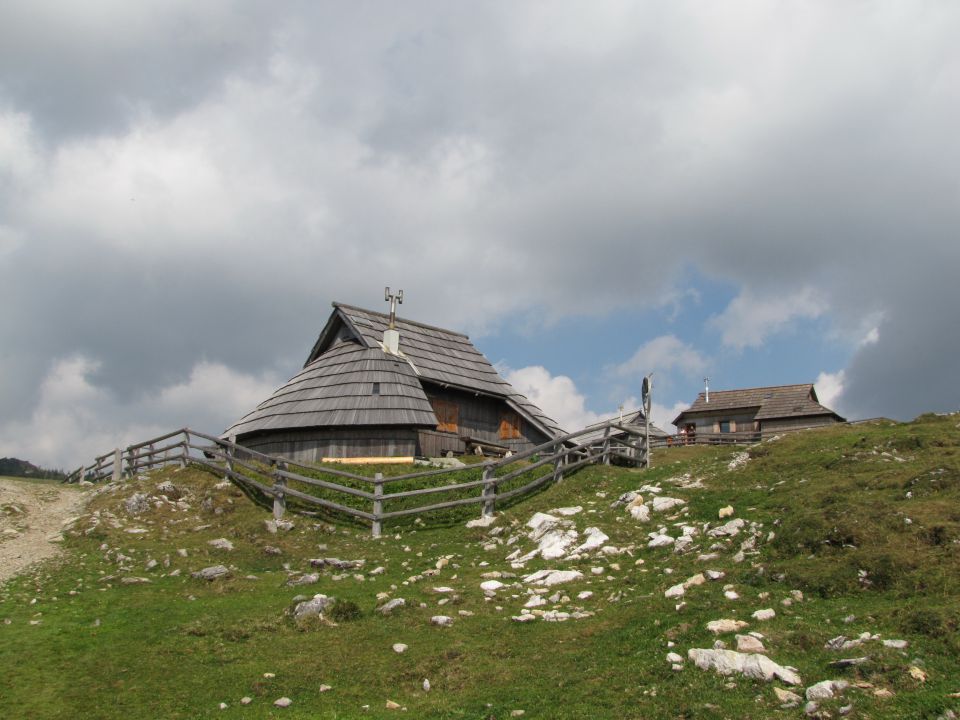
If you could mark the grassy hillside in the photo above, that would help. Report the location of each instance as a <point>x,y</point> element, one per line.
<point>848,530</point>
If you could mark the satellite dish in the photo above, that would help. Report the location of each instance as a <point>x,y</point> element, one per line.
<point>645,394</point>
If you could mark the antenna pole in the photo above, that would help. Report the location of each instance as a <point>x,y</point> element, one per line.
<point>393,300</point>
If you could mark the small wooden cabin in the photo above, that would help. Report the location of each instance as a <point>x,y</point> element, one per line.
<point>361,397</point>
<point>764,410</point>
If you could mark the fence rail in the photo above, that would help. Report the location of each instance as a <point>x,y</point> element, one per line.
<point>275,480</point>
<point>730,438</point>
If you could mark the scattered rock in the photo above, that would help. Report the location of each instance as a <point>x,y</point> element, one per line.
<point>314,607</point>
<point>283,702</point>
<point>441,621</point>
<point>137,503</point>
<point>917,674</point>
<point>728,529</point>
<point>727,662</point>
<point>303,579</point>
<point>482,522</point>
<point>275,526</point>
<point>391,605</point>
<point>336,563</point>
<point>663,504</point>
<point>399,648</point>
<point>552,577</point>
<point>826,689</point>
<point>765,614</point>
<point>220,544</point>
<point>171,491</point>
<point>749,644</point>
<point>725,512</point>
<point>724,626</point>
<point>786,698</point>
<point>391,705</point>
<point>211,573</point>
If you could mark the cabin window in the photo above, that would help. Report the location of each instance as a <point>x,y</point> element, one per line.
<point>376,389</point>
<point>509,425</point>
<point>448,414</point>
<point>724,426</point>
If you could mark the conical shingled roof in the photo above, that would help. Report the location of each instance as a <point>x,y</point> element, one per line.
<point>337,389</point>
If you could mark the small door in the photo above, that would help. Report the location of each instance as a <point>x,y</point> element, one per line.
<point>509,425</point>
<point>448,414</point>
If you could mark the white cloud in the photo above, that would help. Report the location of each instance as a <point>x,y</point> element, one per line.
<point>662,354</point>
<point>829,387</point>
<point>556,395</point>
<point>750,318</point>
<point>75,420</point>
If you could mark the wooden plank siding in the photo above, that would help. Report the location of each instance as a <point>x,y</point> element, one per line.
<point>311,445</point>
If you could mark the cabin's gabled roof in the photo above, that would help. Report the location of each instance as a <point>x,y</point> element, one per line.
<point>781,401</point>
<point>441,356</point>
<point>632,418</point>
<point>338,390</point>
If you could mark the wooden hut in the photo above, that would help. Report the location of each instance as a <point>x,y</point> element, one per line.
<point>763,410</point>
<point>361,396</point>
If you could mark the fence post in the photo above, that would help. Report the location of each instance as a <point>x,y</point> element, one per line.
<point>561,458</point>
<point>228,461</point>
<point>98,470</point>
<point>606,446</point>
<point>186,449</point>
<point>131,462</point>
<point>117,466</point>
<point>489,491</point>
<point>279,497</point>
<point>377,504</point>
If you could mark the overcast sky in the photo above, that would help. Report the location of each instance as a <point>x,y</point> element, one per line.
<point>758,192</point>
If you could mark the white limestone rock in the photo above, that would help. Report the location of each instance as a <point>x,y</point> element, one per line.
<point>663,503</point>
<point>765,614</point>
<point>548,578</point>
<point>482,522</point>
<point>725,625</point>
<point>826,689</point>
<point>675,591</point>
<point>660,541</point>
<point>728,529</point>
<point>441,620</point>
<point>749,644</point>
<point>728,662</point>
<point>314,607</point>
<point>640,513</point>
<point>595,539</point>
<point>220,544</point>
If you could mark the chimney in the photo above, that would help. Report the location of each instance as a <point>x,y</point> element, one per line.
<point>706,389</point>
<point>391,336</point>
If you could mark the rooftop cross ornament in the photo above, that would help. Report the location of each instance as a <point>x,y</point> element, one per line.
<point>393,300</point>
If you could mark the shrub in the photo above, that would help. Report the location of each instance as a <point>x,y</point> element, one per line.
<point>344,611</point>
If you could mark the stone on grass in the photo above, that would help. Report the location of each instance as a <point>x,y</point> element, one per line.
<point>441,620</point>
<point>211,573</point>
<point>675,591</point>
<point>595,539</point>
<point>725,512</point>
<point>663,504</point>
<point>727,662</point>
<point>765,614</point>
<point>275,526</point>
<point>325,688</point>
<point>391,605</point>
<point>725,625</point>
<point>826,689</point>
<point>640,512</point>
<point>491,586</point>
<point>137,503</point>
<point>729,529</point>
<point>660,541</point>
<point>391,705</point>
<point>568,511</point>
<point>400,648</point>
<point>314,607</point>
<point>552,577</point>
<point>220,544</point>
<point>787,698</point>
<point>283,702</point>
<point>171,491</point>
<point>482,521</point>
<point>246,700</point>
<point>896,644</point>
<point>303,579</point>
<point>749,644</point>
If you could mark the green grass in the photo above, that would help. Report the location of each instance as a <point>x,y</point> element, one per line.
<point>838,508</point>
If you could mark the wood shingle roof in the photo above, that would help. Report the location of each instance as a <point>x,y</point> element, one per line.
<point>781,401</point>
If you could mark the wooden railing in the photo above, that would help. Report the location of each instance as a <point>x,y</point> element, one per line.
<point>274,481</point>
<point>701,438</point>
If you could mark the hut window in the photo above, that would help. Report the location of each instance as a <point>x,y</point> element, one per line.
<point>724,426</point>
<point>448,414</point>
<point>509,425</point>
<point>376,388</point>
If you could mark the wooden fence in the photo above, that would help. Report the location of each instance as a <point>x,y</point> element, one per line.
<point>730,438</point>
<point>277,481</point>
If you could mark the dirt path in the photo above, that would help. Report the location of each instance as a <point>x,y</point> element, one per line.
<point>31,517</point>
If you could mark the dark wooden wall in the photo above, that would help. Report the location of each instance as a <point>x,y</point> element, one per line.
<point>311,445</point>
<point>479,417</point>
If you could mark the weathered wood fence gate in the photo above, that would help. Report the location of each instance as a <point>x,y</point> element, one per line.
<point>276,480</point>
